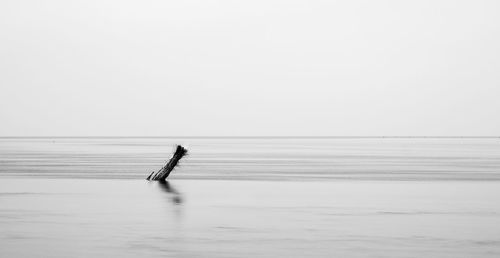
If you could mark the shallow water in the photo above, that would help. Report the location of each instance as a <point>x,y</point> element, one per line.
<point>255,158</point>
<point>265,198</point>
<point>211,218</point>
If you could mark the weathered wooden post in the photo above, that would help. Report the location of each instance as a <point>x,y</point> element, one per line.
<point>164,172</point>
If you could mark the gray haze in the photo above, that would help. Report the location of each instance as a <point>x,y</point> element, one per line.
<point>273,67</point>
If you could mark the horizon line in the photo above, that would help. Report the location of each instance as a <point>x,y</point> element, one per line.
<point>266,137</point>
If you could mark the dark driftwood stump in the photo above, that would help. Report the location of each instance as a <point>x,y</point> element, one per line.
<point>164,172</point>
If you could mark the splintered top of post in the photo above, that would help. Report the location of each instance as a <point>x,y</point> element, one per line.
<point>180,150</point>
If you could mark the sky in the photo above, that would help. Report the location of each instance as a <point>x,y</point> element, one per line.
<point>249,68</point>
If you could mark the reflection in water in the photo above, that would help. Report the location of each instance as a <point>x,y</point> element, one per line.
<point>167,187</point>
<point>134,218</point>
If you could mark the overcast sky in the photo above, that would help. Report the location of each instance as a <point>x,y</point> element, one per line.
<point>255,67</point>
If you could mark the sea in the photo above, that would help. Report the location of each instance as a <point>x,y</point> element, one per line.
<point>250,197</point>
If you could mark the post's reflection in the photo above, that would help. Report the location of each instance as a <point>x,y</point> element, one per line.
<point>175,196</point>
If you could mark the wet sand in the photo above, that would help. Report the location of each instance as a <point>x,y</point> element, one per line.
<point>237,218</point>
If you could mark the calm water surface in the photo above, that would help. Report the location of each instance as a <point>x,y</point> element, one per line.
<point>87,197</point>
<point>261,159</point>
